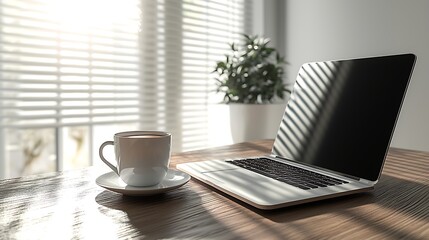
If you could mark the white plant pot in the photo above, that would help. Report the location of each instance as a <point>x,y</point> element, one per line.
<point>255,121</point>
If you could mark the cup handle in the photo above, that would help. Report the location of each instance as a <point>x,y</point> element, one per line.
<point>100,152</point>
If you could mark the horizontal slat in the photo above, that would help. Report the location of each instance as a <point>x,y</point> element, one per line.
<point>49,34</point>
<point>70,38</point>
<point>60,68</point>
<point>212,16</point>
<point>206,39</point>
<point>172,106</point>
<point>27,72</point>
<point>60,51</point>
<point>68,116</point>
<point>210,48</point>
<point>205,6</point>
<point>170,88</point>
<point>57,99</point>
<point>68,90</point>
<point>119,82</point>
<point>196,124</point>
<point>61,65</point>
<point>55,56</point>
<point>57,108</point>
<point>52,27</point>
<point>202,23</point>
<point>221,5</point>
<point>56,125</point>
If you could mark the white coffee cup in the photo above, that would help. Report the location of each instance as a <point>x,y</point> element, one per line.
<point>142,157</point>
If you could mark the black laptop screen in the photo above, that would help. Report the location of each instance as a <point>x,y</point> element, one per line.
<point>341,114</point>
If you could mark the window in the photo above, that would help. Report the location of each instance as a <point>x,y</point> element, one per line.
<point>72,73</point>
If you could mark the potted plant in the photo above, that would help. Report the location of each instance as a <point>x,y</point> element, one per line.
<point>251,79</point>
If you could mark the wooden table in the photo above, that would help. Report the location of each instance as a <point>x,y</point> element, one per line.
<point>70,205</point>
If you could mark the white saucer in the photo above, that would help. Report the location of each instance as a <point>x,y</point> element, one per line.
<point>113,182</point>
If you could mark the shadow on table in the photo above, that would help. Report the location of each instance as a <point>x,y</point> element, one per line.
<point>391,196</point>
<point>410,198</point>
<point>175,214</point>
<point>181,213</point>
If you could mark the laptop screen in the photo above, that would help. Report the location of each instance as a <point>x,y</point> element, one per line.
<point>341,114</point>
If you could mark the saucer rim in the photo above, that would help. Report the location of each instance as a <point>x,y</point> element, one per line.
<point>142,191</point>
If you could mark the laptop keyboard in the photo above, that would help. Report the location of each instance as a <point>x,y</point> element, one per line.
<point>289,174</point>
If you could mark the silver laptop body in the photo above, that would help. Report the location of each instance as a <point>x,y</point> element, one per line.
<point>338,122</point>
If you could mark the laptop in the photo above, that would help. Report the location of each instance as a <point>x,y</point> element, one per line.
<point>332,140</point>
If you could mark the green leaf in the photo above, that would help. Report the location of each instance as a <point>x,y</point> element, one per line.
<point>251,75</point>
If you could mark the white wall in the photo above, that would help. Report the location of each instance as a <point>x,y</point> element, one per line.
<point>340,29</point>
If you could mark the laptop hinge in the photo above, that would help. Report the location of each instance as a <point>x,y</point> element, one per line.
<point>323,169</point>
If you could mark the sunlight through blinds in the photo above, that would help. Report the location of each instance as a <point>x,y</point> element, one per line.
<point>63,64</point>
<point>182,40</point>
<point>87,62</point>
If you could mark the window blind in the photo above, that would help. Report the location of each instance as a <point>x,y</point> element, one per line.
<point>64,65</point>
<point>181,42</point>
<point>90,62</point>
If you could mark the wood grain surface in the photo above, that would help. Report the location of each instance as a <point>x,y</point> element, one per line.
<point>70,205</point>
